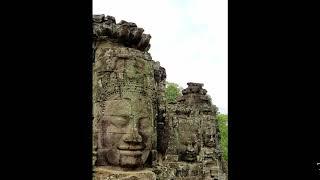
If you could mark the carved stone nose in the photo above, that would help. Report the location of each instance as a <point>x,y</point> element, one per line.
<point>133,137</point>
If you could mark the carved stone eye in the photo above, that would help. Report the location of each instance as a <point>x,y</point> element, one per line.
<point>119,121</point>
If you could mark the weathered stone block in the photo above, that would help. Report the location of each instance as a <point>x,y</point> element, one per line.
<point>107,173</point>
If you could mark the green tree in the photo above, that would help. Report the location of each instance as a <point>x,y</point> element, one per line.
<point>223,127</point>
<point>172,91</point>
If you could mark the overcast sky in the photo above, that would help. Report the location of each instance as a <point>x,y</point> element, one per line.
<point>189,39</point>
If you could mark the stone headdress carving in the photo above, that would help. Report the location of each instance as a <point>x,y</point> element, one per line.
<point>124,32</point>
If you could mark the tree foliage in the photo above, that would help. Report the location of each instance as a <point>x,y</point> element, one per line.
<point>172,91</point>
<point>223,127</point>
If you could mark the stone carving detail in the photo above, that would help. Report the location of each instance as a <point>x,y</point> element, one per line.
<point>136,134</point>
<point>193,148</point>
<point>128,99</point>
<point>126,33</point>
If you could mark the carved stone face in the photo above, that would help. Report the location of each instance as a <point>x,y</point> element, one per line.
<point>126,132</point>
<point>188,146</point>
<point>209,137</point>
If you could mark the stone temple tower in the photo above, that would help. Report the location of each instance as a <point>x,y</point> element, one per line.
<point>128,103</point>
<point>193,150</point>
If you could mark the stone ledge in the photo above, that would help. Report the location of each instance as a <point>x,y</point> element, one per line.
<point>107,173</point>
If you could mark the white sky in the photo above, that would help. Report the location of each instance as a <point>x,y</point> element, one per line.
<point>189,39</point>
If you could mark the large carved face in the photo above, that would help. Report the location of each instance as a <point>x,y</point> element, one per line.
<point>188,145</point>
<point>126,132</point>
<point>209,137</point>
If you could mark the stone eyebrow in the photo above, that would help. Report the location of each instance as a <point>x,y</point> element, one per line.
<point>119,113</point>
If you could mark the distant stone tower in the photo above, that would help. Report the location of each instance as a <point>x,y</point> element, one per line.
<point>128,101</point>
<point>193,151</point>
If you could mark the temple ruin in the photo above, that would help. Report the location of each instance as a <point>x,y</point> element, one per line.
<point>136,134</point>
<point>193,150</point>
